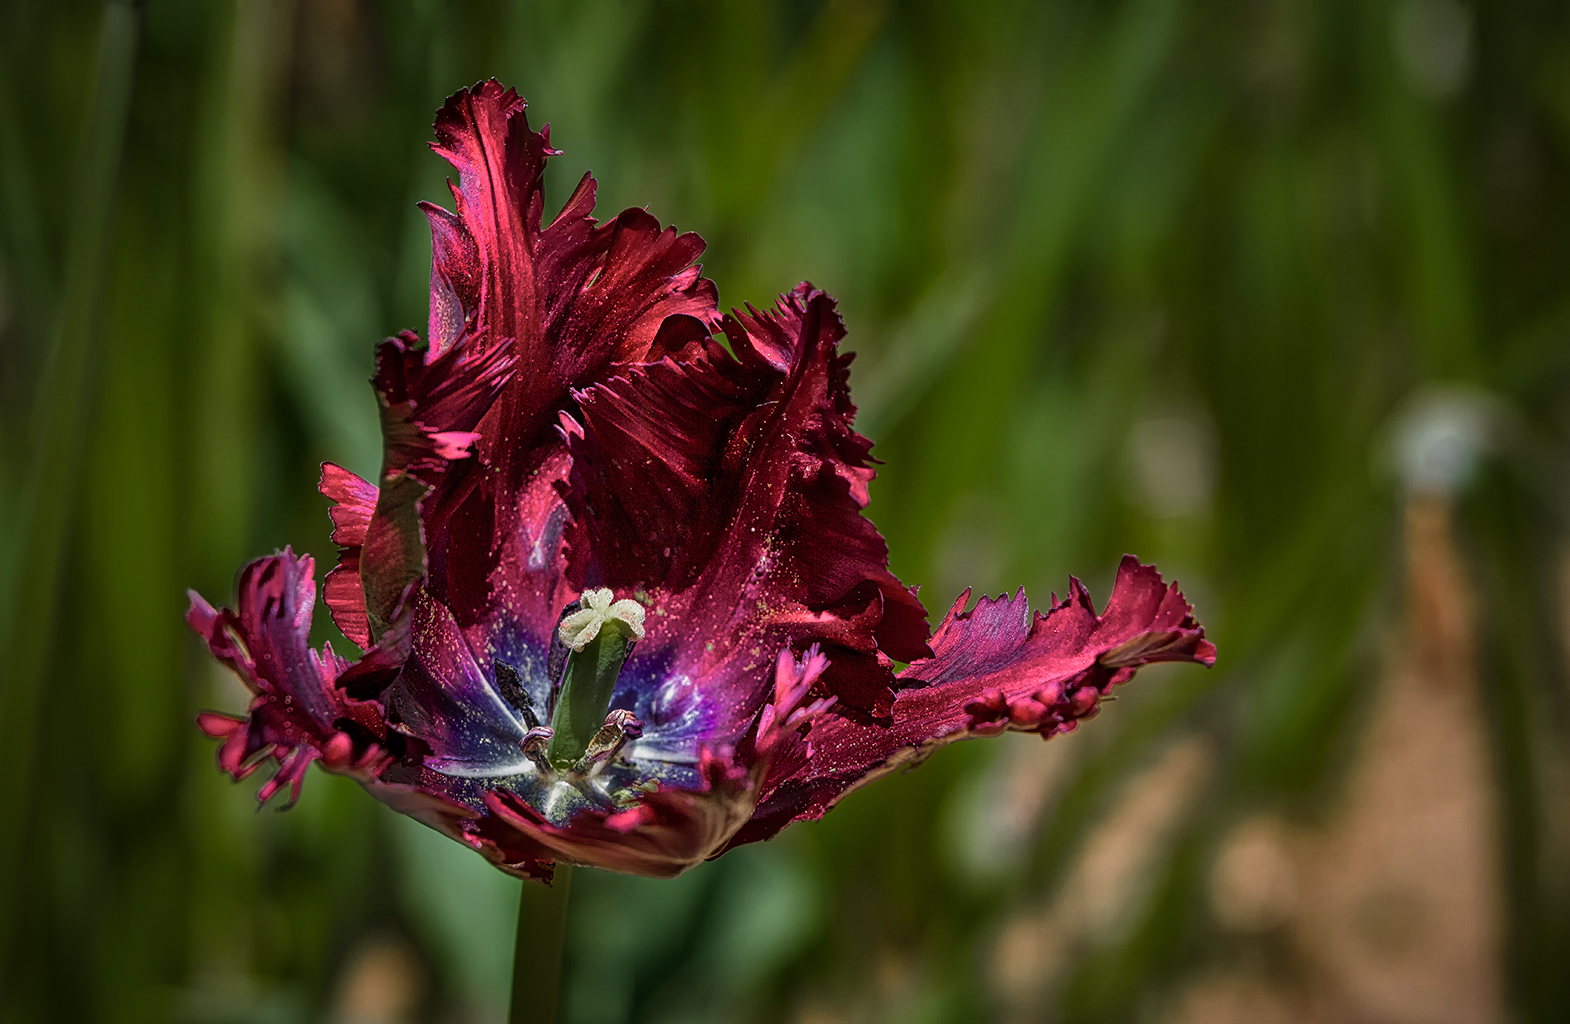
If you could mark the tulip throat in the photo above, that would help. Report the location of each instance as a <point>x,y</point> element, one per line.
<point>600,635</point>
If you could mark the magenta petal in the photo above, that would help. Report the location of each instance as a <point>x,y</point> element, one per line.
<point>353,500</point>
<point>345,598</point>
<point>298,711</point>
<point>992,669</point>
<point>484,256</point>
<point>649,499</point>
<point>429,411</point>
<point>567,299</point>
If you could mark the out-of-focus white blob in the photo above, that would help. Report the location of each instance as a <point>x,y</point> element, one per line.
<point>1433,45</point>
<point>1172,465</point>
<point>1439,435</point>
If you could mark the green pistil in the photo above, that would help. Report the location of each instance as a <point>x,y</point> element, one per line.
<point>586,691</point>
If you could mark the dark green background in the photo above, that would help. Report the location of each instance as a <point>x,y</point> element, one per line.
<point>1267,220</point>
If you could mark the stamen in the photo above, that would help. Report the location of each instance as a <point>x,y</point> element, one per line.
<point>620,726</point>
<point>534,744</point>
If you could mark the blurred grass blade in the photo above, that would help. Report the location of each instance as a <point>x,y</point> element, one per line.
<point>61,416</point>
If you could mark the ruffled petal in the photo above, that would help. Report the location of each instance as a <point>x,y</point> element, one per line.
<point>730,490</point>
<point>299,714</point>
<point>483,259</point>
<point>567,301</point>
<point>993,668</point>
<point>429,408</point>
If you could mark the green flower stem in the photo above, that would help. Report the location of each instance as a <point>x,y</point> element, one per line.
<point>537,950</point>
<point>586,693</point>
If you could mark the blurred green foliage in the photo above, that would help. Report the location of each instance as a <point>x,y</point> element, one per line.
<point>1077,244</point>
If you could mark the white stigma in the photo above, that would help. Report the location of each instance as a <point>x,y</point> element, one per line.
<point>584,624</point>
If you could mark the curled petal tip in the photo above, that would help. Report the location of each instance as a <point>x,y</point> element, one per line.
<point>218,725</point>
<point>1205,653</point>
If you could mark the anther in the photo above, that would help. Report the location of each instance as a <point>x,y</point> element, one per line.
<point>534,744</point>
<point>620,726</point>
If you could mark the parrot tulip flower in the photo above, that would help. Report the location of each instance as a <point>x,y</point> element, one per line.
<point>619,602</point>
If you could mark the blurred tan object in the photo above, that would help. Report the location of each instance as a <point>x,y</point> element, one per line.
<point>1108,884</point>
<point>817,1013</point>
<point>1392,912</point>
<point>1113,875</point>
<point>1403,909</point>
<point>1254,884</point>
<point>1234,998</point>
<point>382,983</point>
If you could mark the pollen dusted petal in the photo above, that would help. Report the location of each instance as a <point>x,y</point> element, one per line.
<point>566,300</point>
<point>448,701</point>
<point>731,489</point>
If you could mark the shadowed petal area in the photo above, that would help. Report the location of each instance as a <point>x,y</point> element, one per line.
<point>446,700</point>
<point>664,834</point>
<point>993,669</point>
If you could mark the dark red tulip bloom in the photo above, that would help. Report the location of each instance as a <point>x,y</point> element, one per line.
<point>619,602</point>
